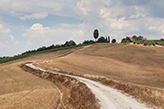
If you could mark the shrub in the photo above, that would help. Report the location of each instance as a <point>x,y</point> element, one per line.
<point>88,42</point>
<point>114,41</point>
<point>134,42</point>
<point>138,42</point>
<point>102,39</point>
<point>153,43</point>
<point>145,43</point>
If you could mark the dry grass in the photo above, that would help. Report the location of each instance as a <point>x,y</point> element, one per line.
<point>21,90</point>
<point>76,95</point>
<point>136,70</point>
<point>149,95</point>
<point>153,97</point>
<point>139,70</point>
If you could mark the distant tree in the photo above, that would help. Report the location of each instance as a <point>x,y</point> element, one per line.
<point>140,37</point>
<point>113,40</point>
<point>127,39</point>
<point>72,43</point>
<point>41,48</point>
<point>102,39</point>
<point>88,42</point>
<point>123,40</point>
<point>134,36</point>
<point>51,47</point>
<point>109,39</point>
<point>145,43</point>
<point>134,42</point>
<point>138,42</point>
<point>153,43</point>
<point>137,38</point>
<point>69,43</point>
<point>96,34</point>
<point>57,46</point>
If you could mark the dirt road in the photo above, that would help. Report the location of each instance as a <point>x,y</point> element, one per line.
<point>109,98</point>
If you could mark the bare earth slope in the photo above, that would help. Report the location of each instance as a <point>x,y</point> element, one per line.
<point>19,90</point>
<point>128,63</point>
<point>22,90</point>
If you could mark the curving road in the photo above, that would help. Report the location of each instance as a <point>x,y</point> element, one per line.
<point>109,98</point>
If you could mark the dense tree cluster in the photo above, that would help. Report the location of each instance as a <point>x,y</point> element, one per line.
<point>141,40</point>
<point>125,40</point>
<point>88,42</point>
<point>132,39</point>
<point>152,42</point>
<point>102,39</point>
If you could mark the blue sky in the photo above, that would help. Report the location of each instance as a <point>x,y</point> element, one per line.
<point>30,24</point>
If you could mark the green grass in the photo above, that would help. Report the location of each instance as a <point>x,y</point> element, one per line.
<point>124,43</point>
<point>153,40</point>
<point>16,57</point>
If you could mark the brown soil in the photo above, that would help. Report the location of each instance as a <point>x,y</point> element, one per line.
<point>143,66</point>
<point>22,90</point>
<point>129,64</point>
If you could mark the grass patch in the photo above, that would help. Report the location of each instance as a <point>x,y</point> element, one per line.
<point>125,43</point>
<point>153,40</point>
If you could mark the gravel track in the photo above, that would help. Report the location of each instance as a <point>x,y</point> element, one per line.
<point>109,98</point>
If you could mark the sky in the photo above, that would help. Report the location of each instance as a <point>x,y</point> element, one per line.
<point>30,24</point>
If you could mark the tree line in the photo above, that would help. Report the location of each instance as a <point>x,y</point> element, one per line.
<point>141,40</point>
<point>102,39</point>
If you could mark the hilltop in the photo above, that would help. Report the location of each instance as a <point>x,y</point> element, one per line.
<point>137,67</point>
<point>129,63</point>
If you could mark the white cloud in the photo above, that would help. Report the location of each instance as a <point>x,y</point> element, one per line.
<point>38,35</point>
<point>2,30</point>
<point>12,39</point>
<point>116,18</point>
<point>19,7</point>
<point>40,15</point>
<point>156,25</point>
<point>68,25</point>
<point>36,31</point>
<point>2,46</point>
<point>7,41</point>
<point>119,20</point>
<point>13,13</point>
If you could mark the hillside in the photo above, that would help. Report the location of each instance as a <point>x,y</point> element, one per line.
<point>22,90</point>
<point>132,64</point>
<point>128,63</point>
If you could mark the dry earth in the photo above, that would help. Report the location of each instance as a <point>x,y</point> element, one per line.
<point>19,90</point>
<point>129,64</point>
<point>22,90</point>
<point>136,65</point>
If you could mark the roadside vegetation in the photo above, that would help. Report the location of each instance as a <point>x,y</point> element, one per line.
<point>151,96</point>
<point>76,95</point>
